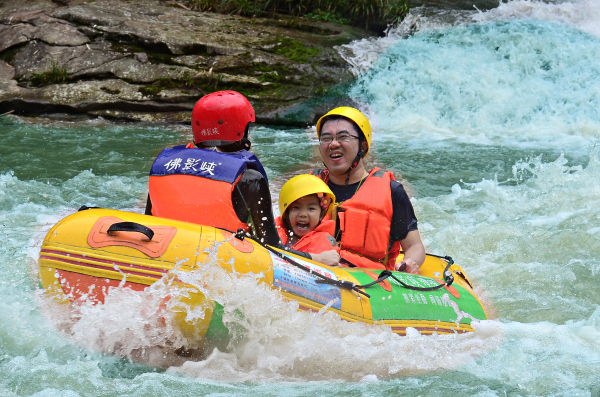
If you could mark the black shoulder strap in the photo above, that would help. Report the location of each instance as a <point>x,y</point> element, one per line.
<point>378,174</point>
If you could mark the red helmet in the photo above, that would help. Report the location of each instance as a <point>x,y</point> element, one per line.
<point>221,118</point>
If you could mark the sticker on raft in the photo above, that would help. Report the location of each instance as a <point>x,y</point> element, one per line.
<point>301,283</point>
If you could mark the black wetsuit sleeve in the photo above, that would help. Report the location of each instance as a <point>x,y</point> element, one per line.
<point>148,206</point>
<point>252,199</point>
<point>404,219</point>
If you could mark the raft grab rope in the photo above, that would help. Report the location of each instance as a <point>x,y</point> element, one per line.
<point>448,277</point>
<point>240,235</point>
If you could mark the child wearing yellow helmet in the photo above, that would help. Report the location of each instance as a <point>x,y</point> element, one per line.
<point>304,201</point>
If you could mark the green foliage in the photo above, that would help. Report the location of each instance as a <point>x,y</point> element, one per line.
<point>293,49</point>
<point>373,14</point>
<point>56,75</point>
<point>242,7</point>
<point>327,16</point>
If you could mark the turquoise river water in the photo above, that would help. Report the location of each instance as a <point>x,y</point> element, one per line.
<point>492,121</point>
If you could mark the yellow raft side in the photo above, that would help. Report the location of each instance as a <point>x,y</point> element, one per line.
<point>80,260</point>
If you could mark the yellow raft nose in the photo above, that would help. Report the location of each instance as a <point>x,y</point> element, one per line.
<point>91,252</point>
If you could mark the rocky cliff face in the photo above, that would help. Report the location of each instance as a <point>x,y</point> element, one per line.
<point>151,60</point>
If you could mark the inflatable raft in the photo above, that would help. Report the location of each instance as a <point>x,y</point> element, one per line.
<point>88,253</point>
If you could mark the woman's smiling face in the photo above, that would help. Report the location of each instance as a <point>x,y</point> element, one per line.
<point>304,214</point>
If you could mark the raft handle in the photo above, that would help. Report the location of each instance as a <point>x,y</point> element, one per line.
<point>131,227</point>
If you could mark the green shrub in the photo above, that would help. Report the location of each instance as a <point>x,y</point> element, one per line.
<point>56,75</point>
<point>371,14</point>
<point>327,16</point>
<point>293,49</point>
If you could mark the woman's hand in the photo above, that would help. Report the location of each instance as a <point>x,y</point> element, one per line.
<point>329,258</point>
<point>408,266</point>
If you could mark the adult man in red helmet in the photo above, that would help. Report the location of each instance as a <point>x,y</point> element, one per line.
<point>219,183</point>
<point>375,218</point>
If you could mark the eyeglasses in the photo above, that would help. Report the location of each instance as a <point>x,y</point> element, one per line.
<point>342,137</point>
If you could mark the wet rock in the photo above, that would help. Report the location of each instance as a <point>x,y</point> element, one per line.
<point>141,57</point>
<point>8,85</point>
<point>240,79</point>
<point>58,32</point>
<point>14,35</point>
<point>7,72</point>
<point>88,96</point>
<point>25,16</point>
<point>32,26</point>
<point>92,61</point>
<point>161,117</point>
<point>37,57</point>
<point>120,58</point>
<point>133,71</point>
<point>161,28</point>
<point>192,61</point>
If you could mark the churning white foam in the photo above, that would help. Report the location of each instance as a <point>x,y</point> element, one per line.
<point>529,241</point>
<point>581,14</point>
<point>519,83</point>
<point>271,339</point>
<point>362,54</point>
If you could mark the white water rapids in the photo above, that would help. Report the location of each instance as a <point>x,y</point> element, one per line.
<point>491,120</point>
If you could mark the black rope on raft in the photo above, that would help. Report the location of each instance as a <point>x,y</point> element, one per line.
<point>448,278</point>
<point>240,235</point>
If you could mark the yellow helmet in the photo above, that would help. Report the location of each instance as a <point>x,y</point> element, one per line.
<point>305,185</point>
<point>355,115</point>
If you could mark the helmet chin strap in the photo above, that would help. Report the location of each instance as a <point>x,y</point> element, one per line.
<point>353,166</point>
<point>246,143</point>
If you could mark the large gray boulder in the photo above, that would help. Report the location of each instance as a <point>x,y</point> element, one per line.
<point>151,60</point>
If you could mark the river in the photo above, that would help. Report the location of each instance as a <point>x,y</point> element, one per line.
<point>492,121</point>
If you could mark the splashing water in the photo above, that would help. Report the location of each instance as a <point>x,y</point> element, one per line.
<point>270,339</point>
<point>491,118</point>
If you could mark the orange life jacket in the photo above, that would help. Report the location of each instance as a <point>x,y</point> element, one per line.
<point>316,241</point>
<point>365,221</point>
<point>195,185</point>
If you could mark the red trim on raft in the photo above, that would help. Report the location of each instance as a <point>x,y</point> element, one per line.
<point>74,284</point>
<point>118,264</point>
<point>430,329</point>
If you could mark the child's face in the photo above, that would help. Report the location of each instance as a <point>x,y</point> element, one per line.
<point>304,214</point>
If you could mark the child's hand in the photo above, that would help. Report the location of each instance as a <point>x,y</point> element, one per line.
<point>329,258</point>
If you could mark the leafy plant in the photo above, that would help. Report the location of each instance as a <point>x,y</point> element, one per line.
<point>327,16</point>
<point>56,75</point>
<point>293,49</point>
<point>373,14</point>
